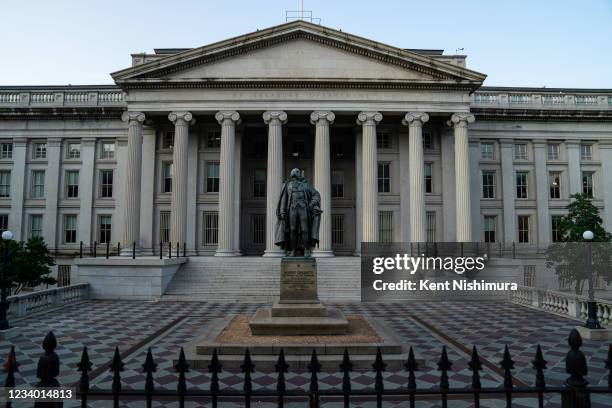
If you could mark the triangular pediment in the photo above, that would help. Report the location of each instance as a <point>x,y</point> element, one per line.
<point>298,51</point>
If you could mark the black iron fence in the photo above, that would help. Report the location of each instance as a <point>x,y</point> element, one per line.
<point>107,250</point>
<point>575,392</point>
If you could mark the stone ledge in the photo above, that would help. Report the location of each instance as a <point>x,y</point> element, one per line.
<point>127,261</point>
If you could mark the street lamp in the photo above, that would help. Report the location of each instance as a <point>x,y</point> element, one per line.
<point>7,237</point>
<point>592,322</point>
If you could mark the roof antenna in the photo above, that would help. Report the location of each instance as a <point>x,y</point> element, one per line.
<point>459,49</point>
<point>301,14</point>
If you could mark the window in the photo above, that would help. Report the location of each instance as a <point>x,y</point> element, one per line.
<point>554,178</point>
<point>385,226</point>
<point>259,183</point>
<point>74,151</point>
<point>6,150</point>
<point>5,184</point>
<point>3,222</point>
<point>337,224</point>
<point>430,217</point>
<point>167,177</point>
<point>337,184</point>
<point>520,151</point>
<point>35,225</point>
<point>523,229</point>
<point>384,182</point>
<point>168,140</point>
<point>555,228</point>
<point>427,141</point>
<point>211,227</point>
<point>259,228</point>
<point>553,151</point>
<point>428,178</point>
<point>488,184</point>
<point>108,150</point>
<point>213,139</point>
<point>529,277</point>
<point>164,226</point>
<point>587,183</point>
<point>383,140</point>
<point>63,275</point>
<point>72,184</point>
<point>260,148</point>
<point>586,152</point>
<point>212,177</point>
<point>487,151</point>
<point>70,228</point>
<point>106,183</point>
<point>521,184</point>
<point>337,149</point>
<point>104,228</point>
<point>38,184</point>
<point>40,150</point>
<point>490,228</point>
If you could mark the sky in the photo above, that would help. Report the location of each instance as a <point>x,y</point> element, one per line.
<point>552,43</point>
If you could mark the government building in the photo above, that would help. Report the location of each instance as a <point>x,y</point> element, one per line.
<point>190,147</point>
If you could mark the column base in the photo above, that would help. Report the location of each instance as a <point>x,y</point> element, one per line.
<point>226,252</point>
<point>322,253</point>
<point>274,253</point>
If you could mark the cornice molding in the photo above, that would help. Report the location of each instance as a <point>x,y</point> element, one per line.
<point>85,113</point>
<point>542,115</point>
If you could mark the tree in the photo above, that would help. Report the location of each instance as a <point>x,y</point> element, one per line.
<point>570,256</point>
<point>30,264</point>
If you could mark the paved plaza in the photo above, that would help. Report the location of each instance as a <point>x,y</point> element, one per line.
<point>426,326</point>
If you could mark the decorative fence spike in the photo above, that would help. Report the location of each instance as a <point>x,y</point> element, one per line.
<point>346,366</point>
<point>149,367</point>
<point>609,365</point>
<point>444,365</point>
<point>116,367</point>
<point>575,361</point>
<point>48,364</point>
<point>475,366</point>
<point>247,368</point>
<point>314,367</point>
<point>379,386</point>
<point>507,364</point>
<point>10,367</point>
<point>84,368</point>
<point>181,368</point>
<point>214,368</point>
<point>539,364</point>
<point>281,368</point>
<point>411,366</point>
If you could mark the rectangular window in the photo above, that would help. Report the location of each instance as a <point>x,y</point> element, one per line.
<point>384,182</point>
<point>427,140</point>
<point>427,170</point>
<point>430,218</point>
<point>212,177</point>
<point>385,226</point>
<point>337,149</point>
<point>523,229</point>
<point>520,151</point>
<point>586,152</point>
<point>63,275</point>
<point>555,227</point>
<point>70,228</point>
<point>488,184</point>
<point>40,150</point>
<point>167,177</point>
<point>108,150</point>
<point>553,151</point>
<point>487,151</point>
<point>587,183</point>
<point>211,227</point>
<point>259,183</point>
<point>6,150</point>
<point>259,228</point>
<point>5,183</point>
<point>337,184</point>
<point>554,179</point>
<point>74,151</point>
<point>38,184</point>
<point>168,140</point>
<point>164,226</point>
<point>213,139</point>
<point>337,221</point>
<point>3,222</point>
<point>72,184</point>
<point>106,183</point>
<point>529,276</point>
<point>383,140</point>
<point>521,184</point>
<point>105,226</point>
<point>490,228</point>
<point>36,225</point>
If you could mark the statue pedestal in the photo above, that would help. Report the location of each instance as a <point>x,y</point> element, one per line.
<point>299,311</point>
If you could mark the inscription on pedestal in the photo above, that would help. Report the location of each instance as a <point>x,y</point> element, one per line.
<point>298,281</point>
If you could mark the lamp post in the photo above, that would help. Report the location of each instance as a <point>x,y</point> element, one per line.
<point>592,322</point>
<point>7,237</point>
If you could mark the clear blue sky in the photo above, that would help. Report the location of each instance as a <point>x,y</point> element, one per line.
<point>516,43</point>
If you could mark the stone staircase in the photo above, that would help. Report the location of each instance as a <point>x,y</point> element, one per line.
<point>256,279</point>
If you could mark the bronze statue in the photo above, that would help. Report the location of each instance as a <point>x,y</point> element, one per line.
<point>299,216</point>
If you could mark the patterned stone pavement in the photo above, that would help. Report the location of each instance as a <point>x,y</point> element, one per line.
<point>426,326</point>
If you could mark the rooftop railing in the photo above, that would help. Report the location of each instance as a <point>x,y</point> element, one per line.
<point>57,98</point>
<point>541,100</point>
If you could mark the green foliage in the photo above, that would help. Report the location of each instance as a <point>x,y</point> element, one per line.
<point>570,257</point>
<point>29,264</point>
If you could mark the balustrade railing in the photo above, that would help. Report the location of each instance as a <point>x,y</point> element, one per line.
<point>43,98</point>
<point>28,303</point>
<point>548,100</point>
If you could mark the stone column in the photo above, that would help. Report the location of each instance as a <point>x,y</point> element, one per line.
<point>448,185</point>
<point>131,186</point>
<point>178,206</point>
<point>462,175</point>
<point>605,151</point>
<point>18,185</point>
<point>237,191</point>
<point>414,121</point>
<point>228,121</point>
<point>573,164</point>
<point>86,189</point>
<point>404,155</point>
<point>322,177</point>
<point>147,192</point>
<point>508,188</point>
<point>52,191</point>
<point>542,193</point>
<point>274,183</point>
<point>358,193</point>
<point>368,122</point>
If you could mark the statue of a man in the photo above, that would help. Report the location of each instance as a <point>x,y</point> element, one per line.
<point>299,215</point>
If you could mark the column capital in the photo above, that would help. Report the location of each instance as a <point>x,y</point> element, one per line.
<point>269,116</point>
<point>369,118</point>
<point>181,117</point>
<point>461,119</point>
<point>130,116</point>
<point>222,116</point>
<point>415,119</point>
<point>322,115</point>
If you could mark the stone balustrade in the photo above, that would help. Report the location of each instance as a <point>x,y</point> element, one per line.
<point>64,97</point>
<point>25,304</point>
<point>540,100</point>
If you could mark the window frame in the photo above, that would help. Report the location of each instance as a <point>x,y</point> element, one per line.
<point>105,230</point>
<point>39,151</point>
<point>554,191</point>
<point>259,186</point>
<point>488,187</point>
<point>586,151</point>
<point>484,154</point>
<point>428,178</point>
<point>386,181</point>
<point>166,187</point>
<point>110,154</point>
<point>523,187</point>
<point>72,239</point>
<point>490,235</point>
<point>34,192</point>
<point>520,151</point>
<point>212,183</point>
<point>588,188</point>
<point>69,151</point>
<point>556,155</point>
<point>524,230</point>
<point>5,188</point>
<point>105,187</point>
<point>213,230</point>
<point>337,189</point>
<point>39,230</point>
<point>6,150</point>
<point>71,190</point>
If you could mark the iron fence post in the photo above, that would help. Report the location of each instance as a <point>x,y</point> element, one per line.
<point>107,249</point>
<point>48,368</point>
<point>81,249</point>
<point>161,249</point>
<point>133,250</point>
<point>576,394</point>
